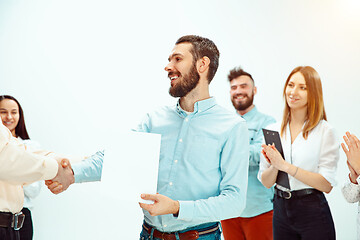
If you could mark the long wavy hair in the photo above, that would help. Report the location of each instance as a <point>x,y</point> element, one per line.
<point>20,129</point>
<point>315,102</point>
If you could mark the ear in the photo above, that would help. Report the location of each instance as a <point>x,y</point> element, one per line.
<point>203,64</point>
<point>255,90</point>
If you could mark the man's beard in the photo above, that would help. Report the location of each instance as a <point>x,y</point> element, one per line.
<point>184,85</point>
<point>240,106</point>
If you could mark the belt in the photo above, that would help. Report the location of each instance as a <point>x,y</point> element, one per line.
<point>296,193</point>
<point>188,235</point>
<point>14,221</point>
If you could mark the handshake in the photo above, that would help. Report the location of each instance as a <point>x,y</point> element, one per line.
<point>63,179</point>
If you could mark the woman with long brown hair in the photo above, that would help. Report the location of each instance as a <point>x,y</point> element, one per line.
<point>12,116</point>
<point>311,151</point>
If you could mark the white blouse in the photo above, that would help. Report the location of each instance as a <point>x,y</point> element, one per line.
<point>318,153</point>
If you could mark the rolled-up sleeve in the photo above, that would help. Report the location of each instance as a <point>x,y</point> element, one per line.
<point>329,156</point>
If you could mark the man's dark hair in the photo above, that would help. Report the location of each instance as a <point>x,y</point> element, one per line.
<point>237,72</point>
<point>203,47</point>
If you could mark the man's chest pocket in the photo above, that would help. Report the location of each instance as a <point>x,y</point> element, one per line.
<point>252,133</point>
<point>204,153</point>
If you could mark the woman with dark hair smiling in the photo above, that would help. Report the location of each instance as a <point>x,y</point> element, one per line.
<point>12,117</point>
<point>311,152</point>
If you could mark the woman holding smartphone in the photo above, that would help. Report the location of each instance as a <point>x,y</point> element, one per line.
<point>12,117</point>
<point>311,151</point>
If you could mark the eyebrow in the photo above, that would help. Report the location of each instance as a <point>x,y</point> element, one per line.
<point>301,84</point>
<point>175,55</point>
<point>241,84</point>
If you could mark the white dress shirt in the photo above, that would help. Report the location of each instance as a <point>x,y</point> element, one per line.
<point>17,167</point>
<point>318,153</point>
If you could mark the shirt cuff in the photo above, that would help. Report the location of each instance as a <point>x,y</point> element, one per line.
<point>186,211</point>
<point>329,175</point>
<point>51,166</point>
<point>78,175</point>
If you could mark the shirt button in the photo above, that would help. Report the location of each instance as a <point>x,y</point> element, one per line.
<point>180,140</point>
<point>186,120</point>
<point>165,225</point>
<point>170,183</point>
<point>176,161</point>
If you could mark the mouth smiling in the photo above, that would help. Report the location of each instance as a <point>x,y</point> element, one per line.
<point>239,97</point>
<point>293,99</point>
<point>173,77</point>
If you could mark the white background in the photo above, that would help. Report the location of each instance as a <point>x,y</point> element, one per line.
<point>81,68</point>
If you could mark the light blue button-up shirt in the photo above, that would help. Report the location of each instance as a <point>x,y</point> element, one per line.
<point>89,169</point>
<point>204,160</point>
<point>259,198</point>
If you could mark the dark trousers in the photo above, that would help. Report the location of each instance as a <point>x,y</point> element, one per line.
<point>26,232</point>
<point>306,218</point>
<point>7,233</point>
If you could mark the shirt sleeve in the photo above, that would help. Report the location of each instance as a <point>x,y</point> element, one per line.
<point>329,156</point>
<point>144,125</point>
<point>90,169</point>
<point>255,145</point>
<point>18,166</point>
<point>234,166</point>
<point>351,192</point>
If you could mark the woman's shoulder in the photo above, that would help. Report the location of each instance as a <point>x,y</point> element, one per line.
<point>324,125</point>
<point>324,128</point>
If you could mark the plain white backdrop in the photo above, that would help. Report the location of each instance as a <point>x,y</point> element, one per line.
<point>83,68</point>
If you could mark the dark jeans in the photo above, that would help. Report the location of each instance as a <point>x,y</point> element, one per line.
<point>26,232</point>
<point>304,218</point>
<point>7,233</point>
<point>211,236</point>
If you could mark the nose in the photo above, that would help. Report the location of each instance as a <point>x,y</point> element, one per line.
<point>9,116</point>
<point>238,91</point>
<point>169,67</point>
<point>294,91</point>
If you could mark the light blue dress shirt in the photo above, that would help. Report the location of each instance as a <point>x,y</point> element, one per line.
<point>259,198</point>
<point>204,161</point>
<point>89,169</point>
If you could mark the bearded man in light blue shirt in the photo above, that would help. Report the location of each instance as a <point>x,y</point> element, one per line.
<point>255,222</point>
<point>204,153</point>
<point>203,157</point>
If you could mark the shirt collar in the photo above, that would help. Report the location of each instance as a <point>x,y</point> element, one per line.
<point>249,115</point>
<point>199,106</point>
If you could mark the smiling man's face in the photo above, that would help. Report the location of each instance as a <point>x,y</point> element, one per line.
<point>182,70</point>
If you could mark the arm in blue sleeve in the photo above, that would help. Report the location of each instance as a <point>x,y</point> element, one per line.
<point>258,140</point>
<point>234,164</point>
<point>89,169</point>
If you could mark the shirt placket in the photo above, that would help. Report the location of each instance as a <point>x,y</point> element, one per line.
<point>179,153</point>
